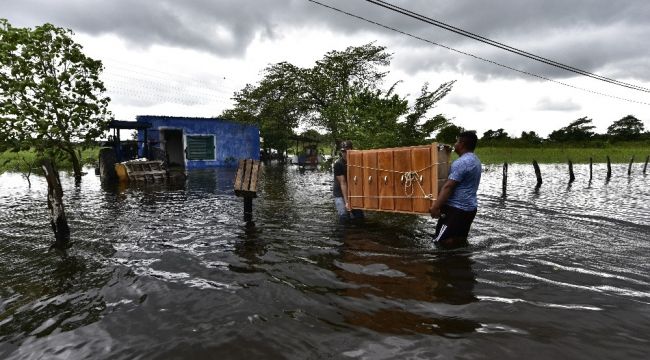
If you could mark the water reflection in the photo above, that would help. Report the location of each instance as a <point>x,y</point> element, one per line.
<point>406,284</point>
<point>279,207</point>
<point>51,296</point>
<point>251,246</point>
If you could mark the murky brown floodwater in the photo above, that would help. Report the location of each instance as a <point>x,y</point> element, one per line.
<point>172,272</point>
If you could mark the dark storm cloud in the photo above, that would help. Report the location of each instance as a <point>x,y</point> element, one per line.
<point>608,37</point>
<point>224,28</point>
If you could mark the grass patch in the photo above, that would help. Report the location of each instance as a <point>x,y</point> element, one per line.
<point>617,154</point>
<point>21,160</point>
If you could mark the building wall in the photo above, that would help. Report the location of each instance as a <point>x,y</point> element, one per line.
<point>233,141</point>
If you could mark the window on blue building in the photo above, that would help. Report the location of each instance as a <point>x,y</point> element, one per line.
<point>200,147</point>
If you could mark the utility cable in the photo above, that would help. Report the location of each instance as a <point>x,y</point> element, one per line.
<point>502,46</point>
<point>478,57</point>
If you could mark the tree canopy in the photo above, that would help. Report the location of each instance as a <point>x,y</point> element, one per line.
<point>449,133</point>
<point>627,128</point>
<point>498,134</point>
<point>341,95</point>
<point>530,137</point>
<point>578,130</point>
<point>51,97</point>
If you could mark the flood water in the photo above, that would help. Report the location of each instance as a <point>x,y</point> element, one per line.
<point>171,271</point>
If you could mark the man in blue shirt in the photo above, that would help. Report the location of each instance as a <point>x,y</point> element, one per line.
<point>456,204</point>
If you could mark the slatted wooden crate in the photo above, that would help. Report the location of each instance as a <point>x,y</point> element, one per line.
<point>404,180</point>
<point>246,178</point>
<point>141,171</point>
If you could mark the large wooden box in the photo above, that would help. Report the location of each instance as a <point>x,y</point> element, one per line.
<point>405,179</point>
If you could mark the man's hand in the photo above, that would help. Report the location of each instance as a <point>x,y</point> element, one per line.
<point>435,211</point>
<point>347,206</point>
<point>446,191</point>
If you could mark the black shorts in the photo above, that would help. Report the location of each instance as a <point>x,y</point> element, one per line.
<point>453,227</point>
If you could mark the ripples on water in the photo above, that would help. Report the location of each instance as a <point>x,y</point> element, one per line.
<point>171,271</point>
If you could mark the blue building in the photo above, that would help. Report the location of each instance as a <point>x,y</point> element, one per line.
<point>195,143</point>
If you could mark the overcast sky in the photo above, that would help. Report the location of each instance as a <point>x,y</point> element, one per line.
<point>186,58</point>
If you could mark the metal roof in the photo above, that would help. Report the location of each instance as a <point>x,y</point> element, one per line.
<point>122,124</point>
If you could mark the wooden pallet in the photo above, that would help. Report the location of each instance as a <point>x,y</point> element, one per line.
<point>404,180</point>
<point>143,171</point>
<point>247,177</point>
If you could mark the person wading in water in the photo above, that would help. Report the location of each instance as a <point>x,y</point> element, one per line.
<point>456,204</point>
<point>340,188</point>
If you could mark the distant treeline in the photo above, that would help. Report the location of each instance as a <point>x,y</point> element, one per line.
<point>578,133</point>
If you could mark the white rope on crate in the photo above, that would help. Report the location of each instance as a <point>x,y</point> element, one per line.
<point>407,178</point>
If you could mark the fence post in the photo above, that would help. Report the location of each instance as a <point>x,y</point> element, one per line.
<point>629,167</point>
<point>572,177</point>
<point>609,168</point>
<point>645,166</point>
<point>504,182</point>
<point>538,174</point>
<point>248,208</point>
<point>591,168</point>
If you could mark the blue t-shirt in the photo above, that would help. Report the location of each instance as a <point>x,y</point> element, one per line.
<point>466,170</point>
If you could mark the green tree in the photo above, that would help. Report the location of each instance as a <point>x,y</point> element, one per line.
<point>275,105</point>
<point>449,133</point>
<point>416,130</point>
<point>530,137</point>
<point>371,120</point>
<point>340,95</point>
<point>578,130</point>
<point>312,134</point>
<point>51,97</point>
<point>498,134</point>
<point>335,80</point>
<point>627,128</point>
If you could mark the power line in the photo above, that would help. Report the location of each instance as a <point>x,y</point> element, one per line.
<point>478,57</point>
<point>125,88</point>
<point>166,73</point>
<point>502,46</point>
<point>111,71</point>
<point>151,84</point>
<point>160,86</point>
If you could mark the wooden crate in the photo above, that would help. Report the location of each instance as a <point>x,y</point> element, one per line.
<point>246,178</point>
<point>404,180</point>
<point>141,171</point>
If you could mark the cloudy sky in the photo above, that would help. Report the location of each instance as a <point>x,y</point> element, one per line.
<point>186,58</point>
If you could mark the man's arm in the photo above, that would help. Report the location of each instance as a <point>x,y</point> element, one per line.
<point>344,189</point>
<point>443,196</point>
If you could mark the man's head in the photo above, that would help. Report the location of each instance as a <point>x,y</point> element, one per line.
<point>346,145</point>
<point>466,142</point>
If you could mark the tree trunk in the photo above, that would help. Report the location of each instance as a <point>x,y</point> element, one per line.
<point>55,205</point>
<point>76,164</point>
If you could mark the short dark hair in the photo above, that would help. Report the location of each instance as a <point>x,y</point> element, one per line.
<point>469,138</point>
<point>346,145</point>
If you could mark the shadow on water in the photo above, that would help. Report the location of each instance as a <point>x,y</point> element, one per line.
<point>395,288</point>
